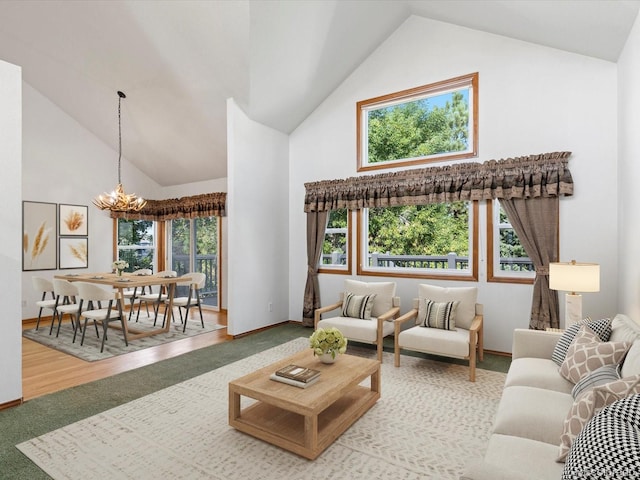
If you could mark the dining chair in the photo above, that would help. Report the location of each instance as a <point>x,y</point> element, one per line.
<point>66,295</point>
<point>156,299</point>
<point>90,294</point>
<point>195,284</point>
<point>132,294</point>
<point>43,287</point>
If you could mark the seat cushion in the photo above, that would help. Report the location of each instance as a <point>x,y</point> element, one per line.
<point>537,372</point>
<point>450,343</point>
<point>467,296</point>
<point>384,291</point>
<point>533,413</point>
<point>357,329</point>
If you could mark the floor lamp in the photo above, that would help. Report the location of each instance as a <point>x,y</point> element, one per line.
<point>572,277</point>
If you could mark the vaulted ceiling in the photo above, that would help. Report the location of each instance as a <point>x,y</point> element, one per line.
<point>179,61</point>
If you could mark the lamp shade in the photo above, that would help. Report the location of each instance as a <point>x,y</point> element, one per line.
<point>574,277</point>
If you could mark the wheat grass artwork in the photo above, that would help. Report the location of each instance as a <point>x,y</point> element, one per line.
<point>74,220</point>
<point>40,242</point>
<point>39,235</point>
<point>74,252</point>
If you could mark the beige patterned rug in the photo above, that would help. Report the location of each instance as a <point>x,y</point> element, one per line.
<point>429,423</point>
<point>114,345</point>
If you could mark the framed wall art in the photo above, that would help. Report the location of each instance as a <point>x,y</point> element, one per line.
<point>73,220</point>
<point>74,252</point>
<point>39,221</point>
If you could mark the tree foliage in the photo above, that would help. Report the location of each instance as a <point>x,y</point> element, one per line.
<point>416,129</point>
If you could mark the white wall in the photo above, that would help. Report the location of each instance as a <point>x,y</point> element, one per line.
<point>532,99</point>
<point>629,194</point>
<point>257,225</point>
<point>10,237</point>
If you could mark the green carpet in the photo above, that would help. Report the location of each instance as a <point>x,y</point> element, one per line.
<point>43,414</point>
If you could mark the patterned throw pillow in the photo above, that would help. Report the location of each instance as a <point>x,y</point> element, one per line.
<point>609,445</point>
<point>600,376</point>
<point>357,306</point>
<point>587,353</point>
<point>601,327</point>
<point>440,315</point>
<point>590,404</point>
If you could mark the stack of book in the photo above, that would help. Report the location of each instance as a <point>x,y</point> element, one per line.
<point>295,375</point>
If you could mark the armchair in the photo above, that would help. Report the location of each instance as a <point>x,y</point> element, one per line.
<point>367,311</point>
<point>446,322</point>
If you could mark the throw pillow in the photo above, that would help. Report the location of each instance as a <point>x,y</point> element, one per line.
<point>600,376</point>
<point>601,327</point>
<point>440,315</point>
<point>357,306</point>
<point>609,445</point>
<point>590,404</point>
<point>587,353</point>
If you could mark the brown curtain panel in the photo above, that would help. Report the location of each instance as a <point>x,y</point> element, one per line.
<point>196,206</point>
<point>531,176</point>
<point>316,226</point>
<point>535,221</point>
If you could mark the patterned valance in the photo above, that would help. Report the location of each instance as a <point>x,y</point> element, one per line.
<point>205,205</point>
<point>544,175</point>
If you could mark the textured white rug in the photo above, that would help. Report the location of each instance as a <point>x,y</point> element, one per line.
<point>428,424</point>
<point>90,350</point>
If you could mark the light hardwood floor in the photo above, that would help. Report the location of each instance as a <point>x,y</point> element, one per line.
<point>45,370</point>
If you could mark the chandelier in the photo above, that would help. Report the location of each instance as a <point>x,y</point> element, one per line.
<point>117,200</point>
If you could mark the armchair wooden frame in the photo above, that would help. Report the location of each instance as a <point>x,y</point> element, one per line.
<point>476,339</point>
<point>388,315</point>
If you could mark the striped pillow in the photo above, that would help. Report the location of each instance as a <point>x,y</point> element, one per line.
<point>440,315</point>
<point>357,306</point>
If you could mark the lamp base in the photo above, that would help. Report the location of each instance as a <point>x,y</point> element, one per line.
<point>572,309</point>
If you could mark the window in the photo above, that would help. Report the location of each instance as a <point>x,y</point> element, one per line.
<point>136,243</point>
<point>194,246</point>
<point>507,259</point>
<point>335,256</point>
<point>431,123</point>
<point>424,241</point>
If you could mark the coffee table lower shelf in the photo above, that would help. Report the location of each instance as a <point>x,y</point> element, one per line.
<point>307,436</point>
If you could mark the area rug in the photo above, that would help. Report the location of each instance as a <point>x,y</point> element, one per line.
<point>428,424</point>
<point>90,350</point>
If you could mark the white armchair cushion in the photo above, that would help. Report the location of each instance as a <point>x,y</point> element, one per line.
<point>385,291</point>
<point>357,329</point>
<point>450,343</point>
<point>466,310</point>
<point>357,306</point>
<point>440,315</point>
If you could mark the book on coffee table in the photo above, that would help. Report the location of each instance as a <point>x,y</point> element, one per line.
<point>297,373</point>
<point>295,383</point>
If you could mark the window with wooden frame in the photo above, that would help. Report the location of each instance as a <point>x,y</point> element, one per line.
<point>431,123</point>
<point>335,256</point>
<point>425,241</point>
<point>507,261</point>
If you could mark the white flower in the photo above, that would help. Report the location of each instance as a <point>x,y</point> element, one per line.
<point>119,265</point>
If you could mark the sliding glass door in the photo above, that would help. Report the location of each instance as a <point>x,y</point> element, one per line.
<point>194,247</point>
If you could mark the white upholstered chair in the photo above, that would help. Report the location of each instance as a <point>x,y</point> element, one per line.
<point>155,298</point>
<point>366,312</point>
<point>440,326</point>
<point>66,296</point>
<point>132,294</point>
<point>195,284</point>
<point>43,286</point>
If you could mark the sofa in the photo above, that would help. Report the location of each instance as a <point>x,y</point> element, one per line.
<point>541,431</point>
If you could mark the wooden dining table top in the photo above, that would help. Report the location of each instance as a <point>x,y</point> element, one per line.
<point>127,280</point>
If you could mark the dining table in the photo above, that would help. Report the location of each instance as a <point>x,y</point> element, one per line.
<point>127,281</point>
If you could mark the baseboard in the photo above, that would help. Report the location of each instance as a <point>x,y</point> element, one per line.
<point>11,404</point>
<point>495,352</point>
<point>233,337</point>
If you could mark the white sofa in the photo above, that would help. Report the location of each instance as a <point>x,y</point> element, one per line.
<point>525,440</point>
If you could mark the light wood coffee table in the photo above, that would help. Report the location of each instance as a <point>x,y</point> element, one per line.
<point>305,420</point>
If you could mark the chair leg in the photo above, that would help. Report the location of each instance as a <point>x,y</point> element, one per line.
<point>39,316</point>
<point>472,367</point>
<point>105,326</point>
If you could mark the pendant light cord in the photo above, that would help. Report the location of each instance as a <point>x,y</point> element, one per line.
<point>120,97</point>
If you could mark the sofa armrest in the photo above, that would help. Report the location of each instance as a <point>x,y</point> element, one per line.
<point>319,311</point>
<point>534,343</point>
<point>488,471</point>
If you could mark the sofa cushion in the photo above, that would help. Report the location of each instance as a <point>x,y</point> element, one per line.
<point>357,329</point>
<point>440,314</point>
<point>600,376</point>
<point>609,445</point>
<point>533,413</point>
<point>624,329</point>
<point>601,327</point>
<point>357,306</point>
<point>385,291</point>
<point>450,343</point>
<point>537,372</point>
<point>591,403</point>
<point>467,296</point>
<point>587,353</point>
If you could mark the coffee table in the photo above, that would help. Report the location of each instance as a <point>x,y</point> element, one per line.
<point>305,421</point>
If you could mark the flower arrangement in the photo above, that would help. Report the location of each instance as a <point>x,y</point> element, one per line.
<point>330,341</point>
<point>119,265</point>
